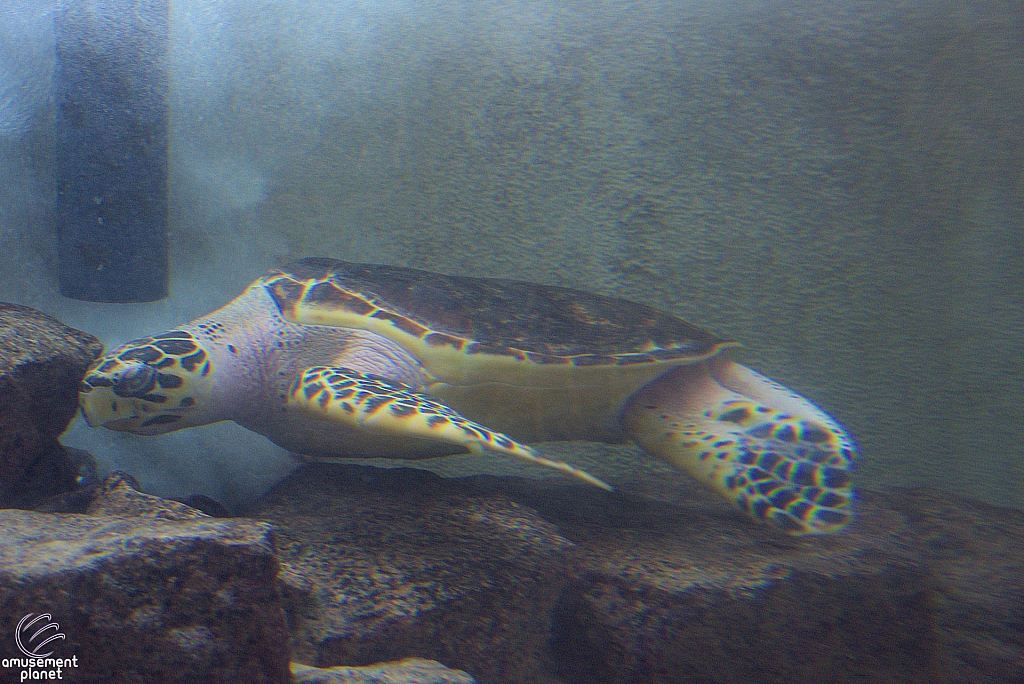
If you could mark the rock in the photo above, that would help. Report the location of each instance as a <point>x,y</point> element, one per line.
<point>86,481</point>
<point>147,599</point>
<point>119,496</point>
<point>409,671</point>
<point>42,362</point>
<point>206,504</point>
<point>665,600</point>
<point>388,564</point>
<point>975,555</point>
<point>651,584</point>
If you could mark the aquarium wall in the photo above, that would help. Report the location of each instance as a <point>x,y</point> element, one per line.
<point>838,186</point>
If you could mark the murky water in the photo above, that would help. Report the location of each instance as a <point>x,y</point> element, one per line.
<point>836,187</point>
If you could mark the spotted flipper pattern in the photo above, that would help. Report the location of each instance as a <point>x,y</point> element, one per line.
<point>782,470</point>
<point>371,402</point>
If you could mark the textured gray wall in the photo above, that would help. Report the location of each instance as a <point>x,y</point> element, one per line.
<point>838,187</point>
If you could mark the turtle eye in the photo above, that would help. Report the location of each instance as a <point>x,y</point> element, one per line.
<point>135,382</point>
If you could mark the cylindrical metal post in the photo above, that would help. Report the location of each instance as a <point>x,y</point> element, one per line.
<point>110,92</point>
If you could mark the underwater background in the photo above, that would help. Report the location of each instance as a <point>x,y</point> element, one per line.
<point>838,186</point>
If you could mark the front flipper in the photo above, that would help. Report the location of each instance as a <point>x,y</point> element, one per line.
<point>373,403</point>
<point>779,468</point>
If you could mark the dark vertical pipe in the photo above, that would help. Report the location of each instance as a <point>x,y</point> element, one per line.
<point>110,92</point>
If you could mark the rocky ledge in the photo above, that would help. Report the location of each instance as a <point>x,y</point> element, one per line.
<point>42,362</point>
<point>141,589</point>
<point>145,599</point>
<point>351,568</point>
<point>516,580</point>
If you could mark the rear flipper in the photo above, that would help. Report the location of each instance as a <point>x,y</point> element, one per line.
<point>372,403</point>
<point>779,468</point>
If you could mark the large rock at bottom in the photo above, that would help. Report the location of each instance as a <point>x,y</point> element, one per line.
<point>409,671</point>
<point>921,588</point>
<point>42,362</point>
<point>975,552</point>
<point>147,600</point>
<point>668,600</point>
<point>658,583</point>
<point>388,564</point>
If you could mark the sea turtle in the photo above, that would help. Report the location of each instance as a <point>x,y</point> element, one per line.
<point>335,359</point>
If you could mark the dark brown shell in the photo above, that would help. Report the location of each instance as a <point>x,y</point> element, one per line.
<point>545,324</point>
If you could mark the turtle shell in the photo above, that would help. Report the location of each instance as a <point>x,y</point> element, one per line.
<point>483,318</point>
<point>535,361</point>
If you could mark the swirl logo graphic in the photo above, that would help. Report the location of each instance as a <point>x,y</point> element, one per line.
<point>28,623</point>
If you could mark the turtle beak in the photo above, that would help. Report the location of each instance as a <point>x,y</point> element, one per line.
<point>85,415</point>
<point>102,408</point>
<point>96,411</point>
<point>123,425</point>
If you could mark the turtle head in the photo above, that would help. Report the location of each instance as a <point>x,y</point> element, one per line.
<point>150,386</point>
